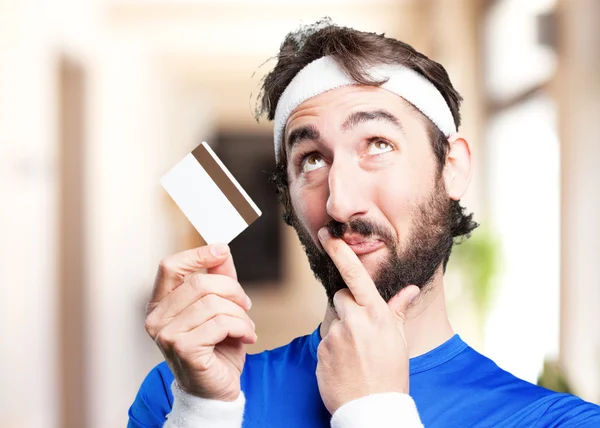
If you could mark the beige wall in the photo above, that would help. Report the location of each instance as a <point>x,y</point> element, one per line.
<point>27,221</point>
<point>578,85</point>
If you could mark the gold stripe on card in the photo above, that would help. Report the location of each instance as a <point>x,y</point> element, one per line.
<point>224,183</point>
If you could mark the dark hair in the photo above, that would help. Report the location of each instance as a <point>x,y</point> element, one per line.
<point>354,51</point>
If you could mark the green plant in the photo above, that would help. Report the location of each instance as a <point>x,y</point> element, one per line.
<point>477,260</point>
<point>553,377</point>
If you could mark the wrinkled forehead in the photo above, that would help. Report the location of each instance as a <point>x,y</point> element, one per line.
<point>349,109</point>
<point>337,104</point>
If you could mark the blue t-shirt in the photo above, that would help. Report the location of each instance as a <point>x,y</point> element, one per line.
<point>452,385</point>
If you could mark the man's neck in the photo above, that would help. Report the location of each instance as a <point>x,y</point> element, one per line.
<point>427,325</point>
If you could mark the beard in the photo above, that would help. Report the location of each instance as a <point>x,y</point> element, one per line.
<point>428,245</point>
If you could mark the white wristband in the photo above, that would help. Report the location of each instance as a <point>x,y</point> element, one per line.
<point>190,411</point>
<point>386,410</point>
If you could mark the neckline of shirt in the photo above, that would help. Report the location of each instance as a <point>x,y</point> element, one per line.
<point>436,357</point>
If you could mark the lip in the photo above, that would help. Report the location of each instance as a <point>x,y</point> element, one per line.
<point>361,247</point>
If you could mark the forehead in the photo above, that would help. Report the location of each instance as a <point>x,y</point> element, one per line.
<point>330,110</point>
<point>334,106</point>
<point>332,115</point>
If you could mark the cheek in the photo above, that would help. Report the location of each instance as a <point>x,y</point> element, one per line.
<point>310,207</point>
<point>403,189</point>
<point>393,200</point>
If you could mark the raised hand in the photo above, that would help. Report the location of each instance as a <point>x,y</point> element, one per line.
<point>200,322</point>
<point>364,351</point>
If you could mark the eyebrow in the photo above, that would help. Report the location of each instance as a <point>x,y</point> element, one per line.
<point>360,117</point>
<point>311,133</point>
<point>303,133</point>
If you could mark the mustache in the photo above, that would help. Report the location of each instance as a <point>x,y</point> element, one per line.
<point>361,227</point>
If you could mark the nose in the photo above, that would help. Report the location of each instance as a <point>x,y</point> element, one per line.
<point>348,193</point>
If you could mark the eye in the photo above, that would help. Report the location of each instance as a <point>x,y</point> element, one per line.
<point>311,162</point>
<point>379,147</point>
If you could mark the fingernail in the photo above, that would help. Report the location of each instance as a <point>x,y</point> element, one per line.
<point>253,325</point>
<point>324,234</point>
<point>248,302</point>
<point>219,249</point>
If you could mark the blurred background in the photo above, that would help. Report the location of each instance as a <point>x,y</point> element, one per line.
<point>100,98</point>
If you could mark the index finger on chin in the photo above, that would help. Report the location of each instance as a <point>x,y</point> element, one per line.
<point>351,269</point>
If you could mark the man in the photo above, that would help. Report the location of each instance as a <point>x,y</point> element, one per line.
<point>370,171</point>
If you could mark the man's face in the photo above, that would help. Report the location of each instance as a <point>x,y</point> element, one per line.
<point>360,162</point>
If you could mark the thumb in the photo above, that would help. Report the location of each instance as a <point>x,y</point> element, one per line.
<point>226,268</point>
<point>400,302</point>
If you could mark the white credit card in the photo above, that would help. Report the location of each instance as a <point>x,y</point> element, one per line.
<point>209,196</point>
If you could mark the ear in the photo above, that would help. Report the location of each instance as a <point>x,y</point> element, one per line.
<point>457,171</point>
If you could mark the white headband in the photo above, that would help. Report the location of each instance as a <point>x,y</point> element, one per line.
<point>324,74</point>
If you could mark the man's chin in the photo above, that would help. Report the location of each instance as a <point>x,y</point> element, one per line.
<point>373,261</point>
